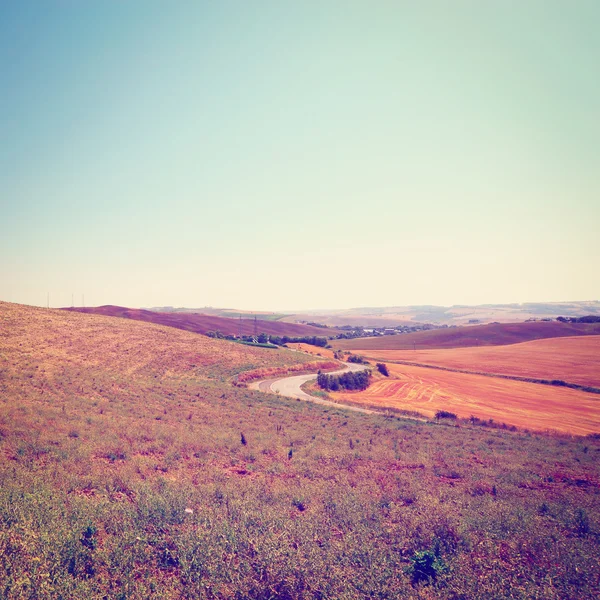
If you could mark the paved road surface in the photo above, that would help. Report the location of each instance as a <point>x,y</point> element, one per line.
<point>290,387</point>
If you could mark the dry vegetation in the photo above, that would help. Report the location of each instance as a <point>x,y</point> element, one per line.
<point>314,350</point>
<point>273,372</point>
<point>201,323</point>
<point>572,359</point>
<point>529,405</point>
<point>494,334</point>
<point>132,468</point>
<point>526,405</point>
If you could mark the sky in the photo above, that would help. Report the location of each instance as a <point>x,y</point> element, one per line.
<point>279,155</point>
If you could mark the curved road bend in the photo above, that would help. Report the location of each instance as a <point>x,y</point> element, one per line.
<point>290,387</point>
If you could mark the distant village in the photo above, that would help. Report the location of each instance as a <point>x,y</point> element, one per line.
<point>352,331</point>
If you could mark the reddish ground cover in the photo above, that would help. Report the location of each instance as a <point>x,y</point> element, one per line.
<point>199,323</point>
<point>58,342</point>
<point>573,359</point>
<point>314,350</point>
<point>477,335</point>
<point>526,405</point>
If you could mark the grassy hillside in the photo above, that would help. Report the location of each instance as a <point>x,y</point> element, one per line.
<point>199,323</point>
<point>125,474</point>
<point>498,334</point>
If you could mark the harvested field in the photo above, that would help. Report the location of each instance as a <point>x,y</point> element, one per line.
<point>573,359</point>
<point>499,334</point>
<point>200,323</point>
<point>526,405</point>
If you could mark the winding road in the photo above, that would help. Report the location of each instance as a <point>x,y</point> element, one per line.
<point>290,387</point>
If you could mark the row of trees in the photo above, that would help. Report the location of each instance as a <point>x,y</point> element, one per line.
<point>358,380</point>
<point>313,340</point>
<point>263,338</point>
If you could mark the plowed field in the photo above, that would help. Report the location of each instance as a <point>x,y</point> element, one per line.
<point>494,334</point>
<point>526,405</point>
<point>573,359</point>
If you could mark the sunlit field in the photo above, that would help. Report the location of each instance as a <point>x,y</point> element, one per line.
<point>572,359</point>
<point>526,405</point>
<point>132,468</point>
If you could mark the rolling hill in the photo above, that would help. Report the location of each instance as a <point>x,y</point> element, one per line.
<point>493,334</point>
<point>389,316</point>
<point>572,359</point>
<point>131,467</point>
<point>199,323</point>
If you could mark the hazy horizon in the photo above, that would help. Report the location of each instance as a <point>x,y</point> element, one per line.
<point>316,310</point>
<point>276,156</point>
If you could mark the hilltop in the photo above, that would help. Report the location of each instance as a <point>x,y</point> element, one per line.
<point>200,323</point>
<point>389,316</point>
<point>493,334</point>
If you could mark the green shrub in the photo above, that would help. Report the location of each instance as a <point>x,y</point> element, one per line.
<point>382,368</point>
<point>444,414</point>
<point>425,566</point>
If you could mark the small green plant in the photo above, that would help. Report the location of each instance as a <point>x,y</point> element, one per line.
<point>299,504</point>
<point>425,566</point>
<point>582,522</point>
<point>88,537</point>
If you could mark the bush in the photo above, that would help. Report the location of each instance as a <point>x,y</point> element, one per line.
<point>382,368</point>
<point>356,358</point>
<point>359,380</point>
<point>444,414</point>
<point>426,565</point>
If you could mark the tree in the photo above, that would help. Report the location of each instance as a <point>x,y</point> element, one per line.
<point>382,368</point>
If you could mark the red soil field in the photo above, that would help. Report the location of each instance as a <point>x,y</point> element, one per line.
<point>199,323</point>
<point>526,405</point>
<point>572,359</point>
<point>477,335</point>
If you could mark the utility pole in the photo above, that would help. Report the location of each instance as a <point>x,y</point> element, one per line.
<point>48,300</point>
<point>72,300</point>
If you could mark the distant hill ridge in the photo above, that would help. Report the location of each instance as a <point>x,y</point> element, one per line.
<point>199,323</point>
<point>494,334</point>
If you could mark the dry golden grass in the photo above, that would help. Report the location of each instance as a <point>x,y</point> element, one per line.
<point>56,339</point>
<point>526,405</point>
<point>131,467</point>
<point>270,372</point>
<point>314,350</point>
<point>494,334</point>
<point>572,359</point>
